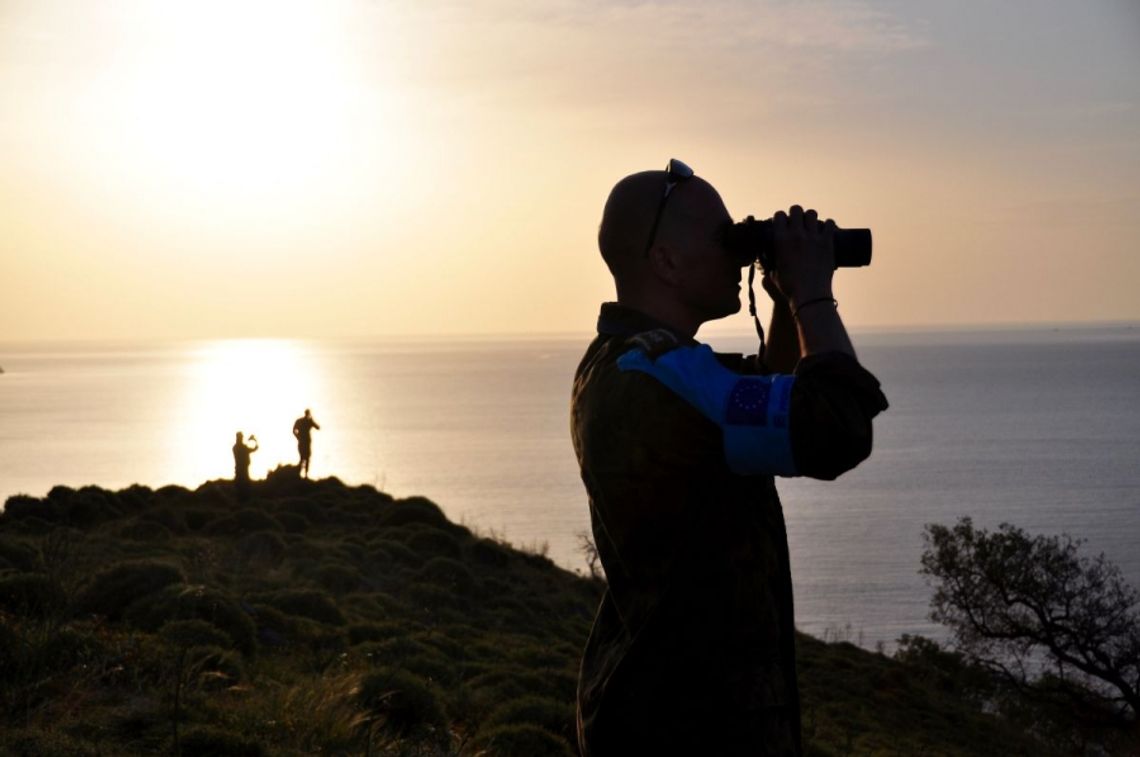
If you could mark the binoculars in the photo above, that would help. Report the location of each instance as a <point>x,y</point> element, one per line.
<point>751,241</point>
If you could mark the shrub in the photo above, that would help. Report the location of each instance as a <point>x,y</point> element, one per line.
<point>489,553</point>
<point>540,655</point>
<point>262,547</point>
<point>60,493</point>
<point>30,525</point>
<point>206,741</point>
<point>173,519</point>
<point>389,652</point>
<point>213,668</point>
<point>353,553</point>
<point>11,652</point>
<point>304,507</point>
<point>405,704</point>
<point>29,743</point>
<point>436,602</point>
<point>16,554</point>
<point>523,740</point>
<point>359,633</point>
<point>71,646</point>
<point>182,602</point>
<point>504,683</point>
<point>324,642</point>
<point>448,645</point>
<point>243,521</point>
<point>406,654</point>
<point>145,530</point>
<point>306,604</point>
<point>194,633</point>
<point>134,498</point>
<point>197,518</point>
<point>449,574</point>
<point>215,495</point>
<point>90,506</point>
<point>556,717</point>
<point>412,510</point>
<point>274,628</point>
<point>21,506</point>
<point>292,522</point>
<point>338,578</point>
<point>397,552</point>
<point>33,595</point>
<point>112,590</point>
<point>433,543</point>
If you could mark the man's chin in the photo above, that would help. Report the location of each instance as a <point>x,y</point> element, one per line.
<point>731,308</point>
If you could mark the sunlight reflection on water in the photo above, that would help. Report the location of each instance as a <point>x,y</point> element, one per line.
<point>257,386</point>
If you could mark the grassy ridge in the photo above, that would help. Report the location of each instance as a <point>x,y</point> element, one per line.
<point>323,618</point>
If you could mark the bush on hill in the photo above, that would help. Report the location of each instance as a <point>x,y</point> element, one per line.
<point>404,706</point>
<point>557,717</point>
<point>193,633</point>
<point>145,530</point>
<point>413,510</point>
<point>305,603</point>
<point>17,555</point>
<point>34,595</point>
<point>190,602</point>
<point>22,507</point>
<point>262,548</point>
<point>339,578</point>
<point>523,740</point>
<point>208,741</point>
<point>432,541</point>
<point>243,521</point>
<point>114,589</point>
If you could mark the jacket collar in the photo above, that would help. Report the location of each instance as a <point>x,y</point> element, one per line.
<point>620,320</point>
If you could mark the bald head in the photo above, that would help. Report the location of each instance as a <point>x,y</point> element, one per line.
<point>682,275</point>
<point>627,220</point>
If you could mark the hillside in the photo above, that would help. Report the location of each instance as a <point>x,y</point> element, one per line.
<point>325,618</point>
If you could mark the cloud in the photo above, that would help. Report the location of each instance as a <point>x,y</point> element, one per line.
<point>649,62</point>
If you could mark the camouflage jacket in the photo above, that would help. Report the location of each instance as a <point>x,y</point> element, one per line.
<point>692,650</point>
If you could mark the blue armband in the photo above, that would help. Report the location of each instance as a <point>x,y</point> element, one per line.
<point>751,411</point>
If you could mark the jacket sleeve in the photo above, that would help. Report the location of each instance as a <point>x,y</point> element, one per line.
<point>833,402</point>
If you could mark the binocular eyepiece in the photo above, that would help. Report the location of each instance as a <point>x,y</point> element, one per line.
<point>751,241</point>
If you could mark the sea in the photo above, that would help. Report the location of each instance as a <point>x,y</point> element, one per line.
<point>1038,427</point>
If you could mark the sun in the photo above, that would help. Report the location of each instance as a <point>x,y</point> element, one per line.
<point>240,100</point>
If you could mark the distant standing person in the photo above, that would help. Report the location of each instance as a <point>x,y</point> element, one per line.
<point>241,463</point>
<point>303,430</point>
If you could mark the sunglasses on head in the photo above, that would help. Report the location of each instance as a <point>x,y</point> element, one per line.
<point>675,173</point>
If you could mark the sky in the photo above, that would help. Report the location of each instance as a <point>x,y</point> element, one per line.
<point>344,168</point>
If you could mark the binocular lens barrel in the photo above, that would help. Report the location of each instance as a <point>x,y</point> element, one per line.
<point>751,240</point>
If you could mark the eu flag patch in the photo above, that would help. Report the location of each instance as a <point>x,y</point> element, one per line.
<point>748,403</point>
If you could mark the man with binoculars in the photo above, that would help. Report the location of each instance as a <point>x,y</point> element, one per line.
<point>693,649</point>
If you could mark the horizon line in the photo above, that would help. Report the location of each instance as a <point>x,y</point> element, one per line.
<point>489,336</point>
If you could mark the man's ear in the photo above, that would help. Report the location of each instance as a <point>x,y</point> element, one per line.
<point>664,262</point>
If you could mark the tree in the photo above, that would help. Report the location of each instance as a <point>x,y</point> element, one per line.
<point>1034,611</point>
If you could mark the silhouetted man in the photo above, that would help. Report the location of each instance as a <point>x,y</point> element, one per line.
<point>303,430</point>
<point>241,464</point>
<point>693,651</point>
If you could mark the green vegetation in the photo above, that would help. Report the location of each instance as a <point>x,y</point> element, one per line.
<point>324,618</point>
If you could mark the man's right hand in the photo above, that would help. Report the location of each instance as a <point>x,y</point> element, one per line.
<point>803,251</point>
